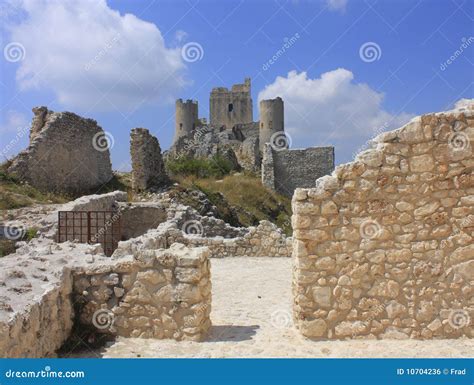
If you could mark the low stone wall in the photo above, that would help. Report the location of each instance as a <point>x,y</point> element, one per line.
<point>384,247</point>
<point>185,226</point>
<point>46,286</point>
<point>158,294</point>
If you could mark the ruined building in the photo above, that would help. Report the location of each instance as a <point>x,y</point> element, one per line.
<point>234,134</point>
<point>66,154</point>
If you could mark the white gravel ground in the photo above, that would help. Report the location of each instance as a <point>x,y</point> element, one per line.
<point>251,317</point>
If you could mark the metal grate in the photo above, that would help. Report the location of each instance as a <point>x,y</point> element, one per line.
<point>102,227</point>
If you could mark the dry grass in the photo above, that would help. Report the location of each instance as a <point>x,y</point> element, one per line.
<point>246,194</point>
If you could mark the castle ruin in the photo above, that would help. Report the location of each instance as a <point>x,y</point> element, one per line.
<point>233,134</point>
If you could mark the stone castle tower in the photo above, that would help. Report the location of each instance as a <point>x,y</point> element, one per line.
<point>271,119</point>
<point>228,108</point>
<point>186,118</point>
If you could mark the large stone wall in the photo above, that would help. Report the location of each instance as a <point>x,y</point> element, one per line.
<point>384,247</point>
<point>148,168</point>
<point>284,170</point>
<point>46,287</point>
<point>67,154</point>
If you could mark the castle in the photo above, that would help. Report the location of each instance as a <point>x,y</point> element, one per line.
<point>256,146</point>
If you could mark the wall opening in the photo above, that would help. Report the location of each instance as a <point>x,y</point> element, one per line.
<point>231,107</point>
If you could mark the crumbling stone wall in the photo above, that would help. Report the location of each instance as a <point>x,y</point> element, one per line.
<point>383,248</point>
<point>67,154</point>
<point>47,286</point>
<point>284,170</point>
<point>148,169</point>
<point>186,226</point>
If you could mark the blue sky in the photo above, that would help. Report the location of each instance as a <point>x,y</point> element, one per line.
<point>123,64</point>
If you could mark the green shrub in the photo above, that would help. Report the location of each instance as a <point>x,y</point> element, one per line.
<point>217,166</point>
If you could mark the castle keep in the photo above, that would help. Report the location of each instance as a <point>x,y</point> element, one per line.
<point>233,134</point>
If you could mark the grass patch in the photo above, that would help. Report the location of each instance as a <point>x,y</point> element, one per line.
<point>6,247</point>
<point>216,167</point>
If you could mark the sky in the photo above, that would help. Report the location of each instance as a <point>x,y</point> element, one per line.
<point>346,69</point>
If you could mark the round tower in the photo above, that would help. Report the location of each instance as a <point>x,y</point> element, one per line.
<point>186,118</point>
<point>271,119</point>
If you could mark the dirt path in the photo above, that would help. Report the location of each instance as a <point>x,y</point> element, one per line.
<point>251,318</point>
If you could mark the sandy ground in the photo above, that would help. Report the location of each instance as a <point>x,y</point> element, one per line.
<point>251,318</point>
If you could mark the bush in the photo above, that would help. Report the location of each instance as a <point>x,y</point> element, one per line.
<point>217,166</point>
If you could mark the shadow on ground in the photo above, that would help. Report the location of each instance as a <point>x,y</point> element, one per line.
<point>221,333</point>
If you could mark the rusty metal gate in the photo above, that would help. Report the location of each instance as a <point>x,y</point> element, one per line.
<point>102,227</point>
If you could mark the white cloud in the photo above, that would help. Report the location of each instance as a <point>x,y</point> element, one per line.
<point>331,110</point>
<point>337,5</point>
<point>93,57</point>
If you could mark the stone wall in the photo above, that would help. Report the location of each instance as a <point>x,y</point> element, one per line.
<point>186,226</point>
<point>384,247</point>
<point>67,154</point>
<point>46,287</point>
<point>158,294</point>
<point>148,168</point>
<point>284,170</point>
